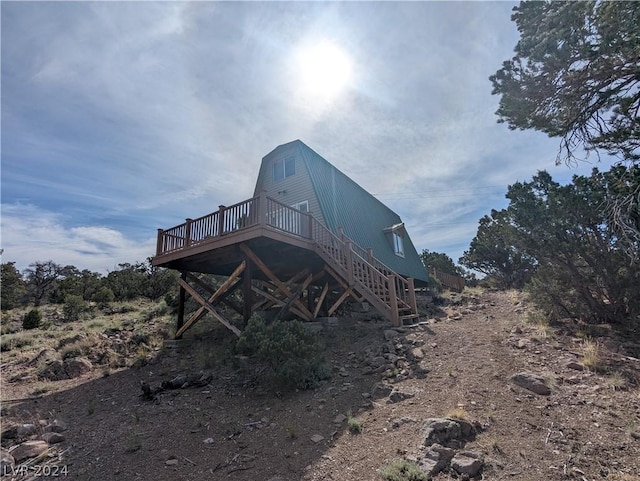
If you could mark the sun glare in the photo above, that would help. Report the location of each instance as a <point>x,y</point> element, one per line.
<point>325,69</point>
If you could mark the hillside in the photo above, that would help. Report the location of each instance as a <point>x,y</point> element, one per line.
<point>447,382</point>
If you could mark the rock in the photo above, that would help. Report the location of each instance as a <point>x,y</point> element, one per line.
<point>377,361</point>
<point>467,463</point>
<point>57,426</point>
<point>316,438</point>
<point>448,432</point>
<point>9,432</point>
<point>172,461</point>
<point>208,441</point>
<point>531,382</point>
<point>339,419</point>
<point>177,382</point>
<point>575,366</point>
<point>7,462</point>
<point>391,334</point>
<point>52,438</point>
<point>381,390</point>
<point>436,459</point>
<point>77,366</point>
<point>522,343</point>
<point>29,449</point>
<point>416,353</point>
<point>397,396</point>
<point>53,371</point>
<point>44,356</point>
<point>25,430</point>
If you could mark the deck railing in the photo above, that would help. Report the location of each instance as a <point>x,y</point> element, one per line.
<point>357,263</point>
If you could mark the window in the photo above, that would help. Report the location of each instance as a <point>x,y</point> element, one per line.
<point>284,168</point>
<point>303,206</point>
<point>395,234</point>
<point>398,244</point>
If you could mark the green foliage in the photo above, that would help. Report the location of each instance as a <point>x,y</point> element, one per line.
<point>403,470</point>
<point>13,286</point>
<point>442,262</point>
<point>103,296</point>
<point>575,75</point>
<point>291,353</point>
<point>492,252</point>
<point>41,278</point>
<point>581,267</point>
<point>74,306</point>
<point>32,319</point>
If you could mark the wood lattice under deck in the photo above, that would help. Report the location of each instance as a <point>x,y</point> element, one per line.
<point>274,253</point>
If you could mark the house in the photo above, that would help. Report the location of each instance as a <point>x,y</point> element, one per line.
<point>297,176</point>
<point>308,239</point>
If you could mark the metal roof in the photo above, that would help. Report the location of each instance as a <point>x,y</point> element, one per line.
<point>363,217</point>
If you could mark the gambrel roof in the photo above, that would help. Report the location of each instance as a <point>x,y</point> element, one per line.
<point>342,203</point>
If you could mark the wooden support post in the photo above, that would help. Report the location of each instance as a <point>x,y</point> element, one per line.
<point>340,300</point>
<point>181,299</point>
<point>208,307</point>
<point>272,277</point>
<point>323,294</point>
<point>393,301</point>
<point>187,232</point>
<point>247,296</point>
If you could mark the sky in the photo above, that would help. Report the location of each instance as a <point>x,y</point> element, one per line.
<point>119,118</point>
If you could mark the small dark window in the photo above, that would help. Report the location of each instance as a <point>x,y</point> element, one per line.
<point>284,168</point>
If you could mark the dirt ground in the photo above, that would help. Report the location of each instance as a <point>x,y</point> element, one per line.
<point>458,361</point>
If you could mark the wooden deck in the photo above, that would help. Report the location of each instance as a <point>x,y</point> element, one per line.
<point>285,241</point>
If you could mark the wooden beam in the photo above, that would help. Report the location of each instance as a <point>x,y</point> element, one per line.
<point>247,298</point>
<point>216,295</point>
<point>295,295</point>
<point>323,294</point>
<point>181,299</point>
<point>340,300</point>
<point>208,307</point>
<point>273,278</point>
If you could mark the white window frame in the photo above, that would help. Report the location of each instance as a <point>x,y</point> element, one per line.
<point>398,243</point>
<point>281,165</point>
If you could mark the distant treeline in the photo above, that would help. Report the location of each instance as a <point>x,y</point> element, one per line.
<point>48,282</point>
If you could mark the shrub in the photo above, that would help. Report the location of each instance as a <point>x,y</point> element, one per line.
<point>103,297</point>
<point>291,353</point>
<point>32,319</point>
<point>73,306</point>
<point>403,470</point>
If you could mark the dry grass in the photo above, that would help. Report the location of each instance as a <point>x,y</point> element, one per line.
<point>591,357</point>
<point>457,413</point>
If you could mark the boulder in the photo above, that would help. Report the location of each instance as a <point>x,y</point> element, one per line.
<point>531,382</point>
<point>29,449</point>
<point>397,396</point>
<point>467,463</point>
<point>448,432</point>
<point>77,366</point>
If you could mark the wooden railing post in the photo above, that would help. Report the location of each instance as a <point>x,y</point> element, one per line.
<point>370,255</point>
<point>393,300</point>
<point>221,209</point>
<point>159,249</point>
<point>310,223</point>
<point>262,208</point>
<point>412,296</point>
<point>187,232</point>
<point>349,258</point>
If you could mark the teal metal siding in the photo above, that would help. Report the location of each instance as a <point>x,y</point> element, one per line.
<point>363,217</point>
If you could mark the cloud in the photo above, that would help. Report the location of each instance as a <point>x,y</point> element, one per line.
<point>31,234</point>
